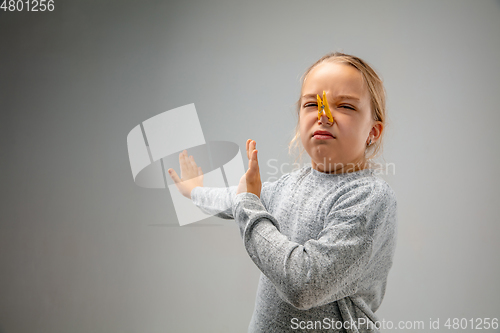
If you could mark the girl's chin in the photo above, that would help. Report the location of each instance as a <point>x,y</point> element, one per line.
<point>322,151</point>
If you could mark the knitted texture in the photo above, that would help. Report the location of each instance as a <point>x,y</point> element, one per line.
<point>324,244</point>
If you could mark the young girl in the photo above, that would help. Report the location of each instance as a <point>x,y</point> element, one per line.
<point>323,236</point>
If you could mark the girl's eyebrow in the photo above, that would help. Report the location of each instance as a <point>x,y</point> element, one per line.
<point>341,97</point>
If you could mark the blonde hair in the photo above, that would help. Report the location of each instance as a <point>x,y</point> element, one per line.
<point>377,96</point>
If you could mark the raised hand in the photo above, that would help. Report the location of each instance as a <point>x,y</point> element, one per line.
<point>191,175</point>
<point>250,182</point>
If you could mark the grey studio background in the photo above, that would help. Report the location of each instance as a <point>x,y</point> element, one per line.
<point>84,249</point>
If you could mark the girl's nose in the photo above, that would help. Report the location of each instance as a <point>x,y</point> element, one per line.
<point>324,119</point>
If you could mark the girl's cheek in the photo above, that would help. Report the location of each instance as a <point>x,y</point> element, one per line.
<point>307,117</point>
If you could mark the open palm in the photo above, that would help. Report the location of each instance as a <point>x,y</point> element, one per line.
<point>191,175</point>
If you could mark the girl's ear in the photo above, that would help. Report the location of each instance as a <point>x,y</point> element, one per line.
<point>376,131</point>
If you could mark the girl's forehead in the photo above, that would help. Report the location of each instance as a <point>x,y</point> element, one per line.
<point>334,78</point>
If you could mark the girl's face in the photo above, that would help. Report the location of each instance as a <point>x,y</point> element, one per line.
<point>353,125</point>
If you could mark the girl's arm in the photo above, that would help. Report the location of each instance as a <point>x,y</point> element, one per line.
<point>212,200</point>
<point>358,239</point>
<point>219,201</point>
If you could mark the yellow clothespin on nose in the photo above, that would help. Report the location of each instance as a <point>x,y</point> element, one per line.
<point>323,105</point>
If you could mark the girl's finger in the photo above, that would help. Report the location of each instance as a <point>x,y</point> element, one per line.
<point>252,147</point>
<point>248,148</point>
<point>192,162</point>
<point>253,165</point>
<point>182,162</point>
<point>255,159</point>
<point>174,175</point>
<point>181,157</point>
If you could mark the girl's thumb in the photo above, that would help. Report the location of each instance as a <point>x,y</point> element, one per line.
<point>173,175</point>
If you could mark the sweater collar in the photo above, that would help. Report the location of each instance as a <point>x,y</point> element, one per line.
<point>319,174</point>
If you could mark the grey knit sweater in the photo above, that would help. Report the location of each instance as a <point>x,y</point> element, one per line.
<point>324,244</point>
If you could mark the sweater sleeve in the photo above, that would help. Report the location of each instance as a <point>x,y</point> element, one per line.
<point>322,270</point>
<point>218,201</point>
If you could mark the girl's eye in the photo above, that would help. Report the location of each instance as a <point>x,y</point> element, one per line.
<point>347,107</point>
<point>310,104</point>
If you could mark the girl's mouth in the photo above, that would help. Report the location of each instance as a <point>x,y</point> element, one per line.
<point>323,137</point>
